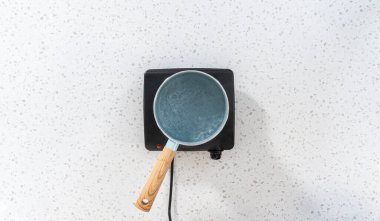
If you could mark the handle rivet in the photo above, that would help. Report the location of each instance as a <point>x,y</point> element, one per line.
<point>145,201</point>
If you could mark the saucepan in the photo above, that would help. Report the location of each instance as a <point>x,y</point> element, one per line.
<point>190,108</point>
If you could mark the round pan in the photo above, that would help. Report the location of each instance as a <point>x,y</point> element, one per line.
<point>190,108</point>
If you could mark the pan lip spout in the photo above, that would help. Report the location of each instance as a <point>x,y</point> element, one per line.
<point>226,114</point>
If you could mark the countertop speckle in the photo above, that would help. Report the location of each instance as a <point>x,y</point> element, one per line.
<point>307,80</point>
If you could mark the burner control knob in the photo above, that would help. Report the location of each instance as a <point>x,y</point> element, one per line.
<point>215,154</point>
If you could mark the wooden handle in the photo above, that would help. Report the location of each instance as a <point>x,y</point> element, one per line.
<point>150,190</point>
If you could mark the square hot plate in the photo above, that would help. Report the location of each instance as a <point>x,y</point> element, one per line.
<point>155,139</point>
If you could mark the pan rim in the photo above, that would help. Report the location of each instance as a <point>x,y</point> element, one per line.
<point>221,126</point>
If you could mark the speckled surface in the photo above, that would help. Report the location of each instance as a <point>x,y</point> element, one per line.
<point>307,109</point>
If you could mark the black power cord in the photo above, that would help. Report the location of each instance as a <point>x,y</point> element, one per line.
<point>171,190</point>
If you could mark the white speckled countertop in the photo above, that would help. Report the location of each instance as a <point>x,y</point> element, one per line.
<point>307,109</point>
